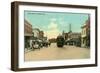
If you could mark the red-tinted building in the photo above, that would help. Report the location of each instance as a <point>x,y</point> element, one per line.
<point>28,34</point>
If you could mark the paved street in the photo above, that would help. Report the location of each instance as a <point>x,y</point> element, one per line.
<point>54,53</point>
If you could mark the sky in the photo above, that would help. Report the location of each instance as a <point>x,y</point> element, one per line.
<point>54,23</point>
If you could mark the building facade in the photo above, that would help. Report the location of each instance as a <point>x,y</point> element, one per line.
<point>74,38</point>
<point>36,32</point>
<point>85,34</point>
<point>41,34</point>
<point>74,35</point>
<point>27,33</point>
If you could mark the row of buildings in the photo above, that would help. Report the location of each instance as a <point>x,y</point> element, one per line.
<point>81,39</point>
<point>72,38</point>
<point>31,33</point>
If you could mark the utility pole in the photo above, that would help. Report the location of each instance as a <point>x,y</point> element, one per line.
<point>70,28</point>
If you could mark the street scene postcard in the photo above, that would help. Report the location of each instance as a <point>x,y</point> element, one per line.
<point>56,35</point>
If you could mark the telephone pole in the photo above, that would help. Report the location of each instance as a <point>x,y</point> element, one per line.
<point>70,28</point>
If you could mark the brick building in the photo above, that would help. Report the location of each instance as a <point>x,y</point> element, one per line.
<point>27,32</point>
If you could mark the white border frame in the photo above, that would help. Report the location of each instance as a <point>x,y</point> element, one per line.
<point>34,64</point>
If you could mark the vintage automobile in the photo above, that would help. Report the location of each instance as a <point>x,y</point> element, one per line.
<point>35,44</point>
<point>60,41</point>
<point>46,43</point>
<point>75,42</point>
<point>40,43</point>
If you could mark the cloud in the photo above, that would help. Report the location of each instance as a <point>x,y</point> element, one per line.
<point>52,26</point>
<point>52,31</point>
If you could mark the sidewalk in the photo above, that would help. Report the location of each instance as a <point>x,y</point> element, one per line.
<point>27,50</point>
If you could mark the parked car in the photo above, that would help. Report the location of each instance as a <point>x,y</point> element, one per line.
<point>40,43</point>
<point>69,42</point>
<point>60,41</point>
<point>35,44</point>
